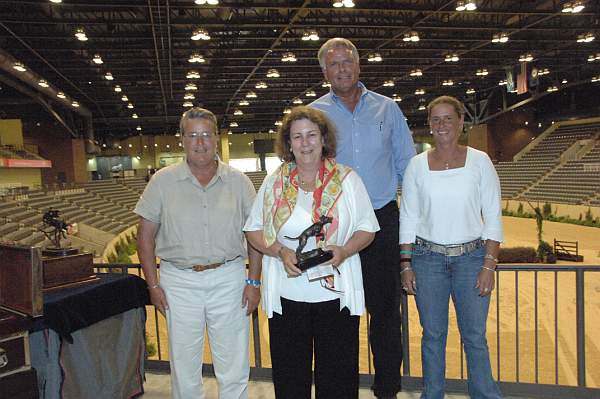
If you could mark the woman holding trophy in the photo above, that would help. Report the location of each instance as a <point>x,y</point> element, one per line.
<point>310,219</point>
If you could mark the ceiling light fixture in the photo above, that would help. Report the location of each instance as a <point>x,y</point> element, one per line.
<point>108,76</point>
<point>411,37</point>
<point>200,34</point>
<point>419,92</point>
<point>19,67</point>
<point>287,111</point>
<point>207,2</point>
<point>325,84</point>
<point>551,89</point>
<point>310,93</point>
<point>594,57</point>
<point>543,72</point>
<point>452,58</point>
<point>43,83</point>
<point>343,3</point>
<point>388,83</point>
<point>130,105</point>
<point>97,59</point>
<point>470,91</point>
<point>502,83</point>
<point>297,101</point>
<point>60,94</point>
<point>195,57</point>
<point>193,75</point>
<point>416,73</point>
<point>422,107</point>
<point>124,98</point>
<point>243,103</point>
<point>117,89</point>
<point>188,104</point>
<point>134,116</point>
<point>448,82</point>
<point>586,38</point>
<point>482,72</point>
<point>233,124</point>
<point>189,96</point>
<point>374,57</point>
<point>138,128</point>
<point>251,94</point>
<point>56,1</point>
<point>526,57</point>
<point>278,123</point>
<point>273,73</point>
<point>468,5</point>
<point>573,7</point>
<point>311,35</point>
<point>238,112</point>
<point>191,86</point>
<point>595,79</point>
<point>288,57</point>
<point>75,104</point>
<point>261,85</point>
<point>499,38</point>
<point>80,35</point>
<point>396,98</point>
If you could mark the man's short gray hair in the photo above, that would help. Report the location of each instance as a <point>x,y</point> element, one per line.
<point>336,42</point>
<point>198,113</point>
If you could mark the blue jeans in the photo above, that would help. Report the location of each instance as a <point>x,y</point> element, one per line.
<point>439,276</point>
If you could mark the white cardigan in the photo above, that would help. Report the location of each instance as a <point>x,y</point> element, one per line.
<point>355,213</point>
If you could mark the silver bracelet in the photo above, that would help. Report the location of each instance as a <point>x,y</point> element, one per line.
<point>491,257</point>
<point>488,268</point>
<point>154,286</point>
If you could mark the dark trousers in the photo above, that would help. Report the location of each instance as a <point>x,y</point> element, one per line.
<point>381,279</point>
<point>331,333</point>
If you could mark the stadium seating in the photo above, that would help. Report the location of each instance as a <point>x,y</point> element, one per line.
<point>539,174</point>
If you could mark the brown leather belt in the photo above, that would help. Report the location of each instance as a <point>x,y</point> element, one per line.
<point>201,268</point>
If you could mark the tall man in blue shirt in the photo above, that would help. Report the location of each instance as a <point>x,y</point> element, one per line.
<point>374,139</point>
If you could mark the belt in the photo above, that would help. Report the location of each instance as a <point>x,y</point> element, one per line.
<point>450,250</point>
<point>201,268</point>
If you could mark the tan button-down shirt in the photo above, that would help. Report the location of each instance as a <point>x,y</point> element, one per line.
<point>198,225</point>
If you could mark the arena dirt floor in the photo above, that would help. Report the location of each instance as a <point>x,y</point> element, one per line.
<point>515,337</point>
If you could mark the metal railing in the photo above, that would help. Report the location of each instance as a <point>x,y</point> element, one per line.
<point>541,328</point>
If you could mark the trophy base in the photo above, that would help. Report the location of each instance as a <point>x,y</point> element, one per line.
<point>51,251</point>
<point>313,258</point>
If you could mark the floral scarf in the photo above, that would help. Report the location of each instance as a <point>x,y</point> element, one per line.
<point>280,198</point>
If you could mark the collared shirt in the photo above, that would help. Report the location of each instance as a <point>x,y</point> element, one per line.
<point>198,225</point>
<point>374,140</point>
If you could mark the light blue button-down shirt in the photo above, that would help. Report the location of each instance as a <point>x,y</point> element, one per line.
<point>374,140</point>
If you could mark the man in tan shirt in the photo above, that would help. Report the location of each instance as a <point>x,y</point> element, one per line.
<point>191,217</point>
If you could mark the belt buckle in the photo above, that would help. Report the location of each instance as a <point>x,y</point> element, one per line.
<point>199,268</point>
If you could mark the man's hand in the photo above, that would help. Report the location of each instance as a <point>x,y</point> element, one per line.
<point>159,299</point>
<point>250,298</point>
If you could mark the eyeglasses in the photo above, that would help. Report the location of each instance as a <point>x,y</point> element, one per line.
<point>436,120</point>
<point>205,136</point>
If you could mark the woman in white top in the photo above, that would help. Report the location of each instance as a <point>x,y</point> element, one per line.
<point>450,233</point>
<point>318,310</point>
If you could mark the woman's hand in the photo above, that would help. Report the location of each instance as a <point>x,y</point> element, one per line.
<point>339,255</point>
<point>288,257</point>
<point>409,281</point>
<point>485,278</point>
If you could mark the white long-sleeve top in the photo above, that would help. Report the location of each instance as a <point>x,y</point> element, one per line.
<point>451,206</point>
